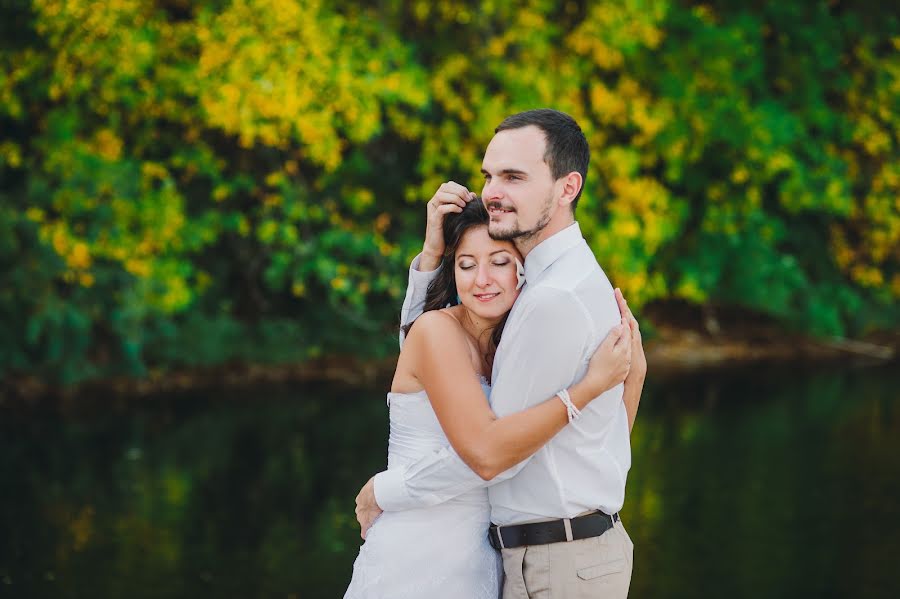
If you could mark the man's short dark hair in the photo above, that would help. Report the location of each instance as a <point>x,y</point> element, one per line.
<point>567,147</point>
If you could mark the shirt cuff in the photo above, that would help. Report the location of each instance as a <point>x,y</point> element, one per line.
<point>390,490</point>
<point>419,276</point>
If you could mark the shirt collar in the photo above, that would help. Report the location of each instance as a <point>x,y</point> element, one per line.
<point>548,251</point>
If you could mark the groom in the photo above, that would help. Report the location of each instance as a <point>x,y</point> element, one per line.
<point>556,514</point>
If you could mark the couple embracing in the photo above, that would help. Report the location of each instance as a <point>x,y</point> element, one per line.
<point>514,395</point>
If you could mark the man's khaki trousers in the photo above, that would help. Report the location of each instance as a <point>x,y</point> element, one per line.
<point>599,567</point>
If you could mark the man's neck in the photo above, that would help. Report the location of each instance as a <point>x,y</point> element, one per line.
<point>525,245</point>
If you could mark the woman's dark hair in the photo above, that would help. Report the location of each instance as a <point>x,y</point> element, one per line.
<point>442,290</point>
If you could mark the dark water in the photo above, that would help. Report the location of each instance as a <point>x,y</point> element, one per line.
<point>759,483</point>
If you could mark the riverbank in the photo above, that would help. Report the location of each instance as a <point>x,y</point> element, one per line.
<point>671,349</point>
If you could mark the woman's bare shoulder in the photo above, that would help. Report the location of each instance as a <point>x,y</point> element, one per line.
<point>435,322</point>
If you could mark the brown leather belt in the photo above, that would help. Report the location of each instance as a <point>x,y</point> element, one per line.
<point>553,531</point>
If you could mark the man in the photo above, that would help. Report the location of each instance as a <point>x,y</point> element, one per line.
<point>556,514</point>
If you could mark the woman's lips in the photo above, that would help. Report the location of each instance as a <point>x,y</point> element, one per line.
<point>485,297</point>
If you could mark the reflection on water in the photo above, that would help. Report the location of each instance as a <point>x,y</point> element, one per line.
<point>758,483</point>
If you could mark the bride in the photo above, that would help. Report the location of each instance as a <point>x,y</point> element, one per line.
<point>443,551</point>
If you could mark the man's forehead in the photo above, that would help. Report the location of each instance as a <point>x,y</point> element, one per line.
<point>515,149</point>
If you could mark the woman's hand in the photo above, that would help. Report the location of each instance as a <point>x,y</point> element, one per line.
<point>450,197</point>
<point>611,361</point>
<point>638,371</point>
<point>634,382</point>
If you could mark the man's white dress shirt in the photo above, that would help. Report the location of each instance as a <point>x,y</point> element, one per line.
<point>565,310</point>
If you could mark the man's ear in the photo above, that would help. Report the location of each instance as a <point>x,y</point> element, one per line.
<point>571,185</point>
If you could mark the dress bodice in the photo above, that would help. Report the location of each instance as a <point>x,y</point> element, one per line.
<point>415,429</point>
<point>438,551</point>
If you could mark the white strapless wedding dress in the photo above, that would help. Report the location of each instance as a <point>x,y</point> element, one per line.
<point>439,552</point>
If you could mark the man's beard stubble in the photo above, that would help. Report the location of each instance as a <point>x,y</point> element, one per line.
<point>516,234</point>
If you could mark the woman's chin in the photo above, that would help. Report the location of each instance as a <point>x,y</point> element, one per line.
<point>487,312</point>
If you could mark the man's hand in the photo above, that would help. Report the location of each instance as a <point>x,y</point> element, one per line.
<point>634,382</point>
<point>450,197</point>
<point>367,509</point>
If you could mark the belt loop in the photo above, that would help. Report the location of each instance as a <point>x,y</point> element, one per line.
<point>500,537</point>
<point>567,524</point>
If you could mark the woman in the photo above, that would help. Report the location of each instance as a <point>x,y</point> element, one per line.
<point>443,551</point>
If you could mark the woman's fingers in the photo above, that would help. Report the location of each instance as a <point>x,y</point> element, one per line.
<point>448,208</point>
<point>625,335</point>
<point>452,191</point>
<point>614,336</point>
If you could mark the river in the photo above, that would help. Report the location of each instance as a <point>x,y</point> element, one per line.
<point>757,482</point>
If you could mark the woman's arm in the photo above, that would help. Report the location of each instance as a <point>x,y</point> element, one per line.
<point>490,445</point>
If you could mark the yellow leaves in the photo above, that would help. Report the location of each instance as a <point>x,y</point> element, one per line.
<point>779,161</point>
<point>609,107</point>
<point>274,179</point>
<point>385,248</point>
<point>266,231</point>
<point>220,192</point>
<point>612,26</point>
<point>585,42</point>
<point>73,251</point>
<point>107,144</point>
<point>176,295</point>
<point>137,267</point>
<point>60,240</point>
<point>275,72</point>
<point>867,276</point>
<point>80,257</point>
<point>154,171</point>
<point>11,153</point>
<point>382,222</point>
<point>689,288</point>
<point>740,174</point>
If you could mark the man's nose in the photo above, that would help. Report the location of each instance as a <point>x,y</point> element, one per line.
<point>492,190</point>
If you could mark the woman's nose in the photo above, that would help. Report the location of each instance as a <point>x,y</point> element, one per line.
<point>482,277</point>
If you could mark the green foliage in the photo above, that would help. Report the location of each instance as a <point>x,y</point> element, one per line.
<point>189,183</point>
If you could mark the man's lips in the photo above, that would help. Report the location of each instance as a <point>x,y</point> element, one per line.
<point>498,210</point>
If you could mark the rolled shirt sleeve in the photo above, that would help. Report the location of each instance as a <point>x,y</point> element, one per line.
<point>416,290</point>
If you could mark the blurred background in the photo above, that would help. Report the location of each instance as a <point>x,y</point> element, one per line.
<point>207,210</point>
